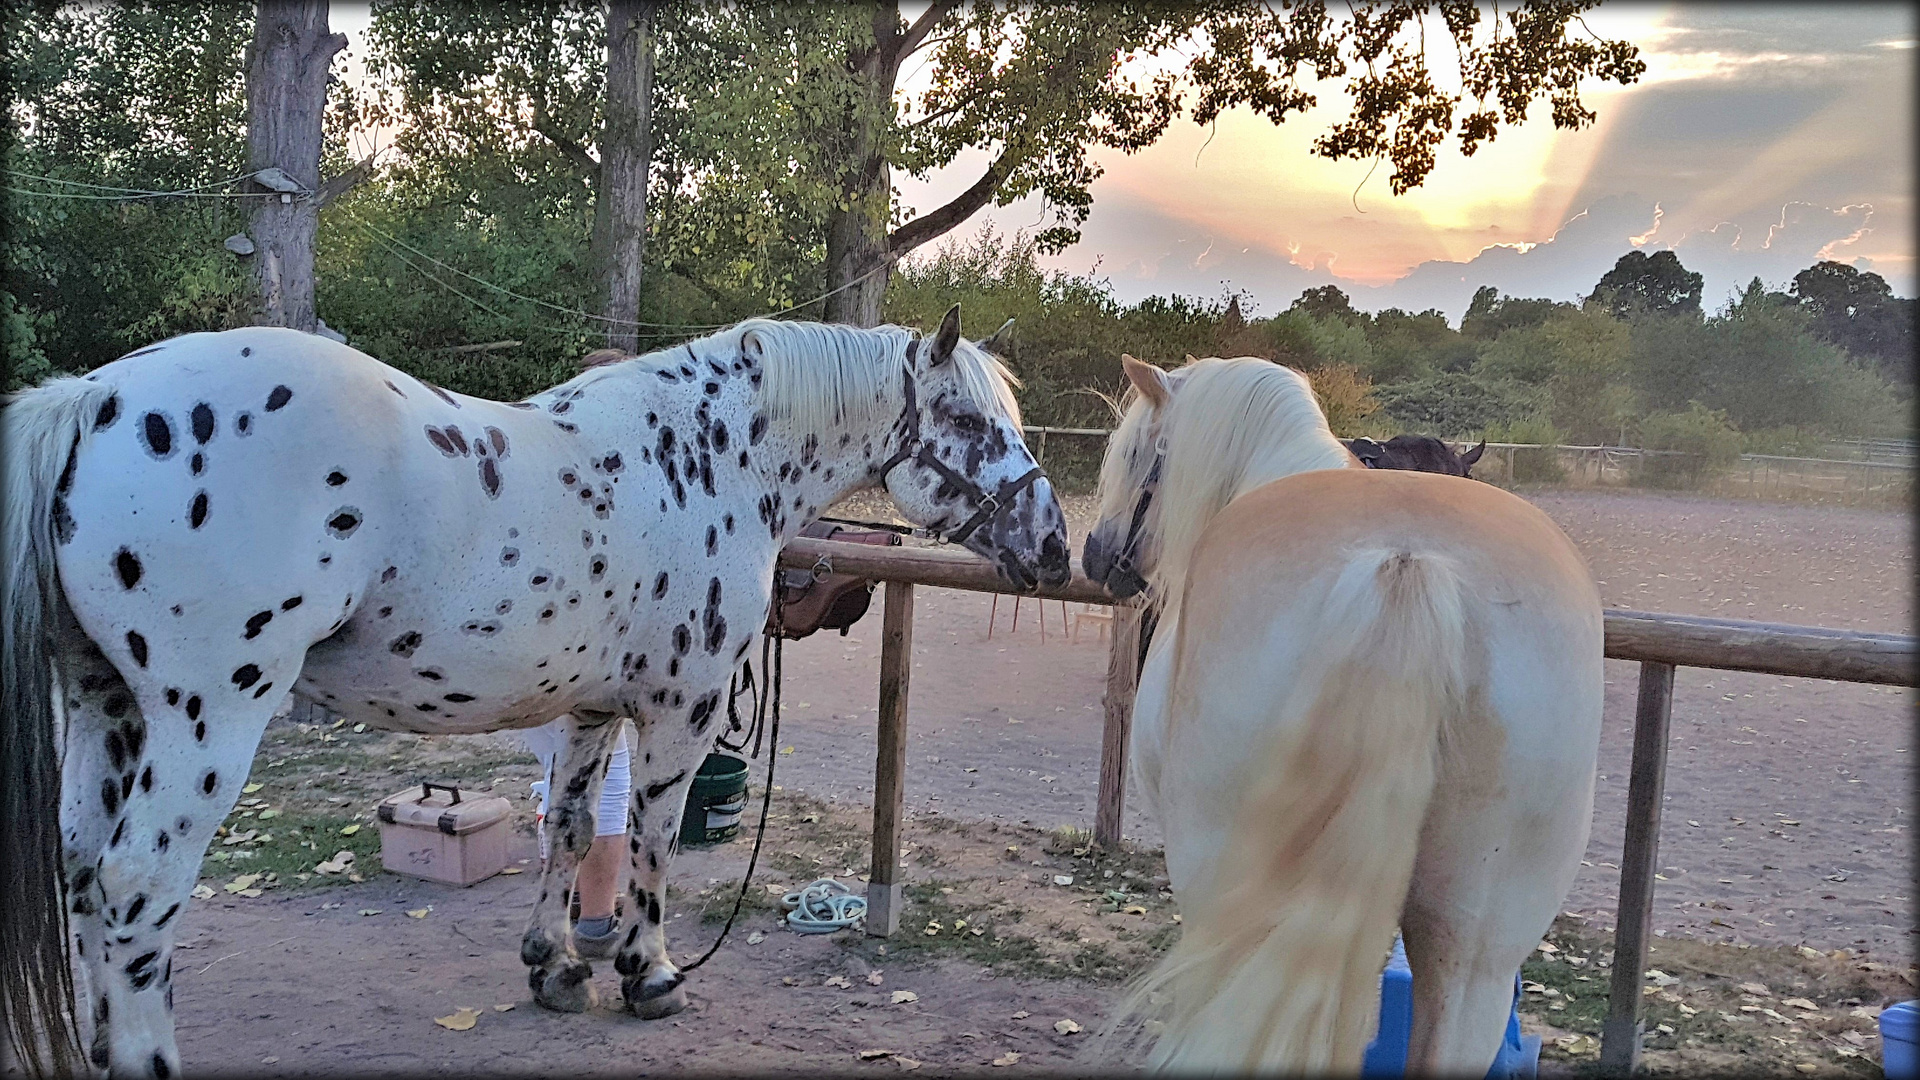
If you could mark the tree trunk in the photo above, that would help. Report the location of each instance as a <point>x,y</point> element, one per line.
<point>287,66</point>
<point>857,234</point>
<point>626,154</point>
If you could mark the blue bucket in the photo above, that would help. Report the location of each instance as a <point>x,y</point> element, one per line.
<point>1900,1041</point>
<point>1519,1055</point>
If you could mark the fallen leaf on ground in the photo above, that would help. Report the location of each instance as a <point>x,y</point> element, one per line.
<point>1065,1027</point>
<point>788,980</point>
<point>358,728</point>
<point>337,865</point>
<point>786,749</point>
<point>1800,1003</point>
<point>369,911</point>
<point>901,997</point>
<point>419,913</point>
<point>203,892</point>
<point>756,938</point>
<point>1133,909</point>
<point>1063,879</point>
<point>250,788</point>
<point>905,1062</point>
<point>839,981</point>
<point>869,1055</point>
<point>1007,1058</point>
<point>461,1020</point>
<point>244,881</point>
<point>1811,954</point>
<point>351,829</point>
<point>512,870</point>
<point>1806,1067</point>
<point>250,894</point>
<point>874,978</point>
<point>1022,1015</point>
<point>508,1007</point>
<point>1758,989</point>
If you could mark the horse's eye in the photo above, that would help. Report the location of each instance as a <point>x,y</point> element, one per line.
<point>969,424</point>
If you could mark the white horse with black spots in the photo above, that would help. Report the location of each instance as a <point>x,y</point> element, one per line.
<point>1373,699</point>
<point>202,526</point>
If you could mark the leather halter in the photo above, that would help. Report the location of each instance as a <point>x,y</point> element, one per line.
<point>988,505</point>
<point>1123,559</point>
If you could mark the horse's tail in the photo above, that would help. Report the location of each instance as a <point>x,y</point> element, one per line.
<point>1278,968</point>
<point>43,429</point>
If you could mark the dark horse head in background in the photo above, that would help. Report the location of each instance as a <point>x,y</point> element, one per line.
<point>1415,453</point>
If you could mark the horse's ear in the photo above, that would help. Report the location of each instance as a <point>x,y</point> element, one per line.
<point>1191,359</point>
<point>1149,380</point>
<point>996,342</point>
<point>946,338</point>
<point>1467,459</point>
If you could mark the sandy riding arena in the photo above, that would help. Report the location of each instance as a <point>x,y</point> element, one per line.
<point>1784,905</point>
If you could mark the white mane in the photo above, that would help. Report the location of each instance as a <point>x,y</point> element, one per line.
<point>1232,426</point>
<point>822,377</point>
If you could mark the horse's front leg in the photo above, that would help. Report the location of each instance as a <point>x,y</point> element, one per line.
<point>665,761</point>
<point>556,975</point>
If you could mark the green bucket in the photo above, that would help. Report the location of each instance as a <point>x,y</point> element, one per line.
<point>715,802</point>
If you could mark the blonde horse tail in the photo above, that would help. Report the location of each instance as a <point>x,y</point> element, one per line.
<point>43,430</point>
<point>1279,964</point>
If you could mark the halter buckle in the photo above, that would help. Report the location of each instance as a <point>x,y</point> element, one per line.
<point>822,569</point>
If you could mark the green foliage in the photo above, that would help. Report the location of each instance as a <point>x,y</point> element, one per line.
<point>1490,314</point>
<point>1858,312</point>
<point>1456,406</point>
<point>1538,463</point>
<point>1700,443</point>
<point>1579,357</point>
<point>1654,283</point>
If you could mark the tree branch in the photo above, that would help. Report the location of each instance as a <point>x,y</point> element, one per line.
<point>921,28</point>
<point>572,151</point>
<point>337,186</point>
<point>937,223</point>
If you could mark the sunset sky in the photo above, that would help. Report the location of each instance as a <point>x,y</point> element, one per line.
<point>1761,138</point>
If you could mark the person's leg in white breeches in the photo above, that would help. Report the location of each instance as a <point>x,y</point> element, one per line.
<point>597,881</point>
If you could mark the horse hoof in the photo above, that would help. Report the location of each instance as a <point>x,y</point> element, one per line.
<point>661,1006</point>
<point>568,990</point>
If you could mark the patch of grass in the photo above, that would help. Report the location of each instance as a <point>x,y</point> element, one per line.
<point>287,845</point>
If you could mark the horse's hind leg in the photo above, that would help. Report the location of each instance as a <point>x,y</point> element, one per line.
<point>144,785</point>
<point>1497,855</point>
<point>558,977</point>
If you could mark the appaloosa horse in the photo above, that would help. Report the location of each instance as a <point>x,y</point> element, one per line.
<point>1374,700</point>
<point>204,525</point>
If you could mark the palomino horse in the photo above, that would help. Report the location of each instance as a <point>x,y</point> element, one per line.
<point>1374,700</point>
<point>204,525</point>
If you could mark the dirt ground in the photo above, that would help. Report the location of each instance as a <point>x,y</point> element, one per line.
<point>1786,838</point>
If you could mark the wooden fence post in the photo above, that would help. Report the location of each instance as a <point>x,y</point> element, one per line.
<point>890,760</point>
<point>1123,668</point>
<point>1640,857</point>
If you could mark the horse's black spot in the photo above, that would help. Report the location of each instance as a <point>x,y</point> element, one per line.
<point>162,920</point>
<point>116,750</point>
<point>243,424</point>
<point>278,397</point>
<point>757,430</point>
<point>193,706</point>
<point>457,698</point>
<point>713,540</point>
<point>682,639</point>
<point>538,582</point>
<point>394,388</point>
<point>743,459</point>
<point>509,556</point>
<point>146,784</point>
<point>405,643</point>
<point>264,687</point>
<point>427,706</point>
<point>197,510</point>
<point>109,412</point>
<point>200,729</point>
<point>431,674</point>
<point>256,622</point>
<point>120,830</point>
<point>343,522</point>
<point>161,842</point>
<point>490,478</point>
<point>173,695</point>
<point>202,417</point>
<point>458,440</point>
<point>336,478</point>
<point>597,567</point>
<point>499,440</point>
<point>566,427</point>
<point>246,675</point>
<point>546,613</point>
<point>110,795</point>
<point>158,435</point>
<point>137,645</point>
<point>440,441</point>
<point>127,565</point>
<point>654,791</point>
<point>444,396</point>
<point>612,463</point>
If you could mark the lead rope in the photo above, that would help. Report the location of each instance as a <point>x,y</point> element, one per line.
<point>766,799</point>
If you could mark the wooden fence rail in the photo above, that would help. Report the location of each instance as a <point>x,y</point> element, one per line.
<point>1660,643</point>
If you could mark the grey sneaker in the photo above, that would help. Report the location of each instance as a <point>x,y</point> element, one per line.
<point>590,947</point>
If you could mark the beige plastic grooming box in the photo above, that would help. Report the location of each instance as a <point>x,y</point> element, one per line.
<point>441,833</point>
